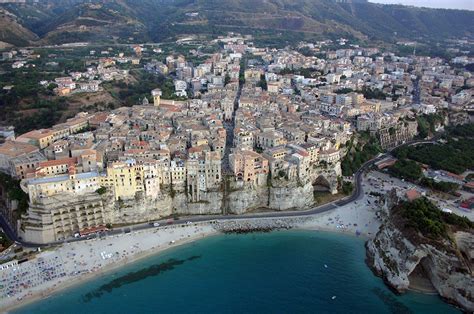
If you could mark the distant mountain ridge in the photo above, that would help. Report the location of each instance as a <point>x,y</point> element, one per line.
<point>62,21</point>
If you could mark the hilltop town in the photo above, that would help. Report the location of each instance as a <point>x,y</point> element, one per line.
<point>243,129</point>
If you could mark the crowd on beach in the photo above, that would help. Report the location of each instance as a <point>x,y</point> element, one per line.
<point>24,276</point>
<point>71,262</point>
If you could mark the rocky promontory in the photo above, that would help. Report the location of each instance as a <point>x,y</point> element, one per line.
<point>418,245</point>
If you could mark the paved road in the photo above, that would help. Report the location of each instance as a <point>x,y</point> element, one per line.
<point>7,229</point>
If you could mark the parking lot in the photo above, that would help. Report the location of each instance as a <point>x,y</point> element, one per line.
<point>382,182</point>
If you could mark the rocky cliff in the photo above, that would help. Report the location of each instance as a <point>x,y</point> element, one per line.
<point>293,197</point>
<point>144,209</point>
<point>63,215</point>
<point>245,198</point>
<point>239,200</point>
<point>399,256</point>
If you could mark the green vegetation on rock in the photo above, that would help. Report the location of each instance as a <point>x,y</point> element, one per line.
<point>427,124</point>
<point>14,192</point>
<point>367,148</point>
<point>423,216</point>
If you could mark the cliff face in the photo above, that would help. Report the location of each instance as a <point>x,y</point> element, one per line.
<point>143,209</point>
<point>135,211</point>
<point>210,203</point>
<point>284,198</point>
<point>60,216</point>
<point>237,198</point>
<point>246,198</point>
<point>394,257</point>
<point>240,200</point>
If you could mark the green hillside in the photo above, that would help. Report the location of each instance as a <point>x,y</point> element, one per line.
<point>58,21</point>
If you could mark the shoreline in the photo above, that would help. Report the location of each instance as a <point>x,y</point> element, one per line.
<point>364,237</point>
<point>423,291</point>
<point>64,286</point>
<point>342,220</point>
<point>69,283</point>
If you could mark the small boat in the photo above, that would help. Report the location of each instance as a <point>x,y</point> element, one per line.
<point>333,297</point>
<point>325,266</point>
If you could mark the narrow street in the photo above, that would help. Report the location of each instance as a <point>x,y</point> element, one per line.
<point>416,91</point>
<point>229,128</point>
<point>226,170</point>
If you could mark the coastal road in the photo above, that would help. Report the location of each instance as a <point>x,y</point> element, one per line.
<point>7,229</point>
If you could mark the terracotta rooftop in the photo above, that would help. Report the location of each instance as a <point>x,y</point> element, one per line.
<point>412,194</point>
<point>37,134</point>
<point>14,149</point>
<point>62,161</point>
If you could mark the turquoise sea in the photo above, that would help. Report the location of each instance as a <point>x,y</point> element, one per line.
<point>278,272</point>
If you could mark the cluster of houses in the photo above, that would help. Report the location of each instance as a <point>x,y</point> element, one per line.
<point>90,80</point>
<point>193,81</point>
<point>257,123</point>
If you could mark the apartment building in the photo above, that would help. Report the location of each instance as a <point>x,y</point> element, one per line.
<point>59,217</point>
<point>247,165</point>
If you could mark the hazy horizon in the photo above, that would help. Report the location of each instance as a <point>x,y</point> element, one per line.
<point>443,4</point>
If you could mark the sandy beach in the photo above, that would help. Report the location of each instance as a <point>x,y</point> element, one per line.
<point>73,263</point>
<point>358,218</point>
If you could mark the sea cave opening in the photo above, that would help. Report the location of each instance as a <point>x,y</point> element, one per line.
<point>419,278</point>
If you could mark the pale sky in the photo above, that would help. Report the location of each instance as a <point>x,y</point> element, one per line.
<point>447,4</point>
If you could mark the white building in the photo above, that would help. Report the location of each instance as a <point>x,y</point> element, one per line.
<point>180,88</point>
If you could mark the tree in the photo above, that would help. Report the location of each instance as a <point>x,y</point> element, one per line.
<point>347,187</point>
<point>263,82</point>
<point>456,155</point>
<point>470,67</point>
<point>425,217</point>
<point>344,90</point>
<point>372,93</point>
<point>52,86</point>
<point>226,79</point>
<point>447,187</point>
<point>359,154</point>
<point>406,169</point>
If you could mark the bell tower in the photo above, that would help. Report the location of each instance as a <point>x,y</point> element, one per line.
<point>156,93</point>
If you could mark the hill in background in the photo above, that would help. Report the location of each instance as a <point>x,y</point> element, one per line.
<point>62,21</point>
